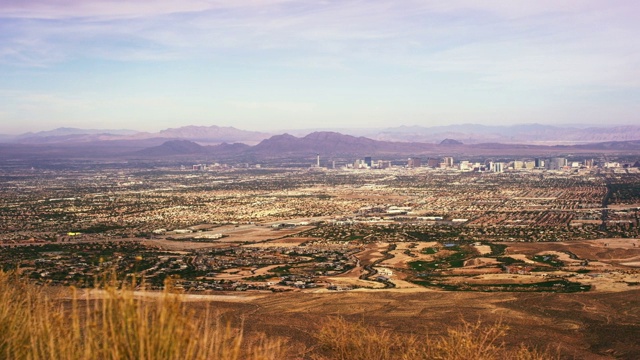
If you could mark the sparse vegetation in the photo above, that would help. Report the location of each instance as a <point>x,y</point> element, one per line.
<point>115,326</point>
<point>344,340</point>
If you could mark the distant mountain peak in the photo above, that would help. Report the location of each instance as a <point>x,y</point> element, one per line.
<point>173,147</point>
<point>331,143</point>
<point>212,134</point>
<point>450,142</point>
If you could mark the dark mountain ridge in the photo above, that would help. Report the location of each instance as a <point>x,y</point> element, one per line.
<point>336,144</point>
<point>534,134</point>
<point>333,143</point>
<point>328,144</point>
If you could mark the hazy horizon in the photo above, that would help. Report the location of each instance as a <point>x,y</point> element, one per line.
<point>299,130</point>
<point>277,64</point>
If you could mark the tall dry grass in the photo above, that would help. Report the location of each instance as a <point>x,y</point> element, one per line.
<point>345,340</point>
<point>116,326</point>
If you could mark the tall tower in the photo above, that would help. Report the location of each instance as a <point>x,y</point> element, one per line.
<point>318,160</point>
<point>414,163</point>
<point>448,161</point>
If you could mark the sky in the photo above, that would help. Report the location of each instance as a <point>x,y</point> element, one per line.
<point>276,64</point>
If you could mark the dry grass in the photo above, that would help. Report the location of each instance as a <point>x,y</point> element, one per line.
<point>116,327</point>
<point>344,340</point>
<point>120,326</point>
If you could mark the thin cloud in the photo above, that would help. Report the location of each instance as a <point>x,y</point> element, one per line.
<point>334,58</point>
<point>115,9</point>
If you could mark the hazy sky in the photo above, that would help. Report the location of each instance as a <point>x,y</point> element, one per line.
<point>277,64</point>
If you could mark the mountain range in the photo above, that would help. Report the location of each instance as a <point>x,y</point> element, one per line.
<point>332,144</point>
<point>535,134</point>
<point>232,143</point>
<point>202,134</point>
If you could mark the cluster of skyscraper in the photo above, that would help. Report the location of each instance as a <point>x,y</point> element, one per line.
<point>447,162</point>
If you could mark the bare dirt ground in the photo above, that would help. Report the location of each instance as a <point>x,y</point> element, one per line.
<point>483,249</point>
<point>245,233</point>
<point>353,281</point>
<point>582,325</point>
<point>93,294</point>
<point>372,253</point>
<point>181,245</point>
<point>606,250</point>
<point>254,234</point>
<point>285,242</point>
<point>401,258</point>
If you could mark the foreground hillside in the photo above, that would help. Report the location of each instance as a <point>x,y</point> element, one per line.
<point>579,325</point>
<point>115,324</point>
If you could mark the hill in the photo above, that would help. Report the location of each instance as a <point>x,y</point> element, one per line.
<point>332,143</point>
<point>213,134</point>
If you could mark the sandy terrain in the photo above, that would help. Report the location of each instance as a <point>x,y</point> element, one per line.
<point>564,257</point>
<point>354,281</point>
<point>522,257</point>
<point>611,251</point>
<point>400,259</point>
<point>480,261</point>
<point>372,253</point>
<point>483,249</point>
<point>609,282</point>
<point>241,273</point>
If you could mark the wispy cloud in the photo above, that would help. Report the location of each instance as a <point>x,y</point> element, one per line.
<point>443,51</point>
<point>159,29</point>
<point>116,9</point>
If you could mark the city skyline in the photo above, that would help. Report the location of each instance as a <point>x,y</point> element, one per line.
<point>272,65</point>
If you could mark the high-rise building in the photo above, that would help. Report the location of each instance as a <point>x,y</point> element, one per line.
<point>557,163</point>
<point>589,163</point>
<point>448,161</point>
<point>497,167</point>
<point>384,164</point>
<point>433,163</point>
<point>465,166</point>
<point>367,161</point>
<point>414,163</point>
<point>539,163</point>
